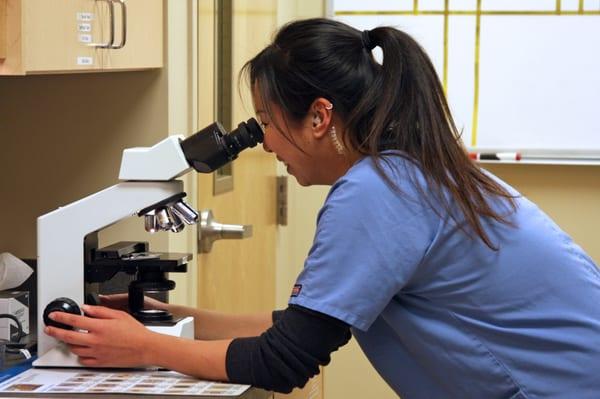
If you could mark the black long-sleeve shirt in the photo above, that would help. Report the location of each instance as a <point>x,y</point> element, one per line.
<point>288,353</point>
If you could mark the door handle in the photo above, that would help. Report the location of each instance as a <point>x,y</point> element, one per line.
<point>210,231</point>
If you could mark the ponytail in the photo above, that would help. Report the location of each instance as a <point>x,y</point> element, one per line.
<point>396,105</point>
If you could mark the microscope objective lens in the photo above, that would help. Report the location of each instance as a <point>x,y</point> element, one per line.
<point>185,212</point>
<point>150,223</point>
<point>176,223</point>
<point>163,219</point>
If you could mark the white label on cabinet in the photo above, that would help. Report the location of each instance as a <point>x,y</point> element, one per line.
<point>84,27</point>
<point>85,38</point>
<point>85,61</point>
<point>85,16</point>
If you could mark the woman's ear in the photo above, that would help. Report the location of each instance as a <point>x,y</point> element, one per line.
<point>322,112</point>
<point>317,120</point>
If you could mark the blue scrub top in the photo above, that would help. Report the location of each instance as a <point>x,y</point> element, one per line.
<point>438,313</point>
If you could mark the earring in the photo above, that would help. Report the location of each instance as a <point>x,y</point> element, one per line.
<point>339,148</point>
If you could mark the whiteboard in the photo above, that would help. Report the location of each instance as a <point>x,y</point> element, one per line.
<point>520,75</point>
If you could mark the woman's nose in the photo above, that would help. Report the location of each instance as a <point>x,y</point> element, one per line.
<point>266,147</point>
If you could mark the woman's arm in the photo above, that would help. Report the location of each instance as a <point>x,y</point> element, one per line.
<point>208,325</point>
<point>211,325</point>
<point>202,359</point>
<point>283,357</point>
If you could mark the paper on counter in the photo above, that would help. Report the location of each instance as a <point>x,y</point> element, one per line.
<point>126,382</point>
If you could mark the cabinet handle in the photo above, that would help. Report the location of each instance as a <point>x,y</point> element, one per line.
<point>111,40</point>
<point>111,12</point>
<point>123,24</point>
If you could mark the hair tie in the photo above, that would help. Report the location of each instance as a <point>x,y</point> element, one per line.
<point>366,39</point>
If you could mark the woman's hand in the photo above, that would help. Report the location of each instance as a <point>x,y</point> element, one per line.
<point>113,337</point>
<point>121,302</point>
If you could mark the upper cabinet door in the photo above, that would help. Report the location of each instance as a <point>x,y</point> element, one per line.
<point>57,35</point>
<point>64,36</point>
<point>142,26</point>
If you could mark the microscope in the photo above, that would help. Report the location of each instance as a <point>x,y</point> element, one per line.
<point>70,261</point>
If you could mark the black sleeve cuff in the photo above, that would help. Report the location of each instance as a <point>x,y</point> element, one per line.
<point>287,354</point>
<point>276,315</point>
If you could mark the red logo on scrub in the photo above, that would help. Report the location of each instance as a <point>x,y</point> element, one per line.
<point>296,290</point>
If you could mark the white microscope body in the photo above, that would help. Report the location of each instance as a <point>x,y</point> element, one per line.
<point>148,189</point>
<point>61,233</point>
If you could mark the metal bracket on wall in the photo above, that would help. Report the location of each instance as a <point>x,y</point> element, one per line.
<point>223,52</point>
<point>282,200</point>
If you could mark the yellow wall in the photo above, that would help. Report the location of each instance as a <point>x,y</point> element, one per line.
<point>62,138</point>
<point>569,194</point>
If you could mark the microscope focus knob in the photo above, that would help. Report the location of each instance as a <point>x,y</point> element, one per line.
<point>61,305</point>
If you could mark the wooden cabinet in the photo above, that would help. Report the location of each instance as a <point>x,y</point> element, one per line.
<point>64,36</point>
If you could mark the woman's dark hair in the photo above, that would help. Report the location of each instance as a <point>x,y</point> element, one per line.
<point>397,105</point>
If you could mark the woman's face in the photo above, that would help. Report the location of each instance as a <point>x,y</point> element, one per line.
<point>292,143</point>
<point>305,146</point>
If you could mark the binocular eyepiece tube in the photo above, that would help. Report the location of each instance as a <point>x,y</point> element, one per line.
<point>212,147</point>
<point>206,151</point>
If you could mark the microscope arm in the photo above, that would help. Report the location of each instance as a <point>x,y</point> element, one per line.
<point>163,161</point>
<point>61,233</point>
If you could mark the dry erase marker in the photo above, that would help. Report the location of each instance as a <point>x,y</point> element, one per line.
<point>495,156</point>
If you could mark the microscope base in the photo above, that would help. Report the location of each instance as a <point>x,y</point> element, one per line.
<point>60,356</point>
<point>184,328</point>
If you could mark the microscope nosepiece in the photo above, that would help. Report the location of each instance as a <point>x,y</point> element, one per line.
<point>170,214</point>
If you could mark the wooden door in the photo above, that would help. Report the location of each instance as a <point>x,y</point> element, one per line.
<point>239,276</point>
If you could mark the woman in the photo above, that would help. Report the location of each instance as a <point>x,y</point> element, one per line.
<point>454,285</point>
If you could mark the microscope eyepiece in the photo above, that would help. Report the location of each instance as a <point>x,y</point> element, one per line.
<point>212,147</point>
<point>247,134</point>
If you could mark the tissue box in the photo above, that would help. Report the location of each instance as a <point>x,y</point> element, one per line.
<point>15,303</point>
